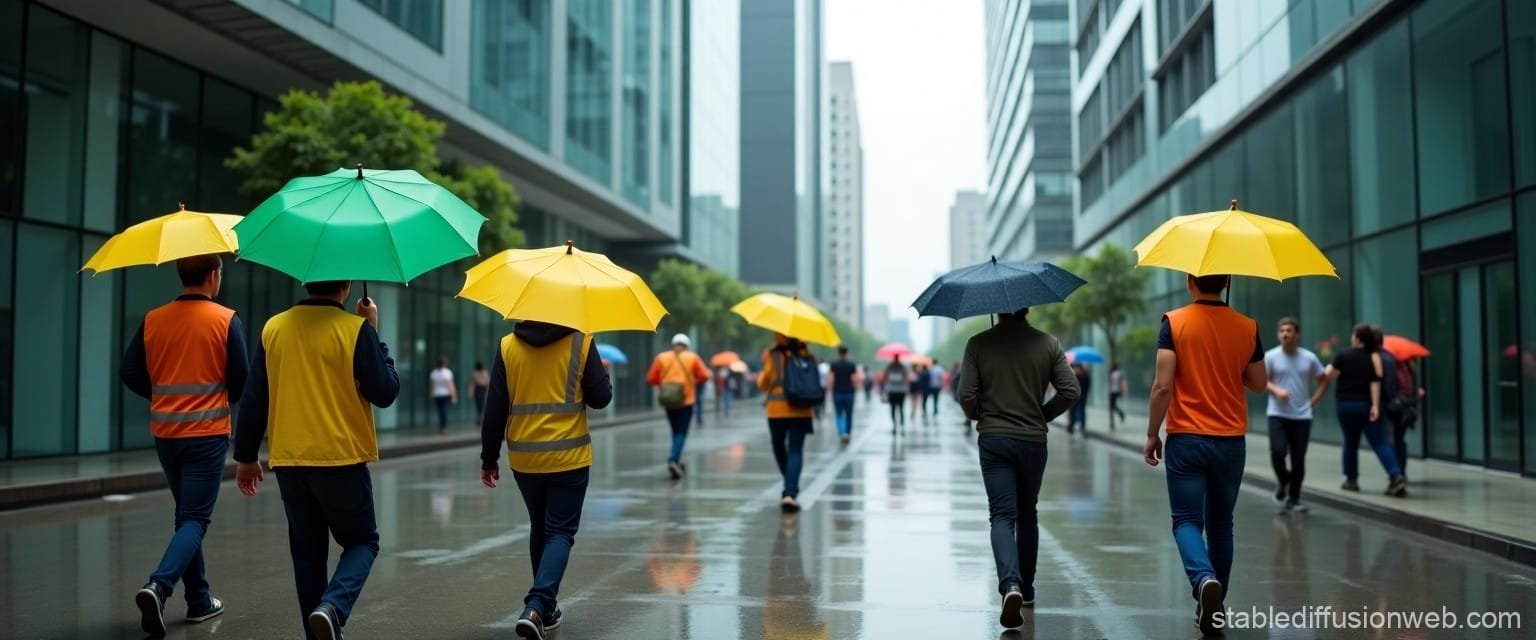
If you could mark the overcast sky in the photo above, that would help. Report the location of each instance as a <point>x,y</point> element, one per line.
<point>919,73</point>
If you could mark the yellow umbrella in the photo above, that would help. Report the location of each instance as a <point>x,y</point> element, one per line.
<point>788,316</point>
<point>565,286</point>
<point>166,238</point>
<point>1233,242</point>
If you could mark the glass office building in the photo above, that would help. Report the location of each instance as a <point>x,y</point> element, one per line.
<point>713,135</point>
<point>104,122</point>
<point>1396,133</point>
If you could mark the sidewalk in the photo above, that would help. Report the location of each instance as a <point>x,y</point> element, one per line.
<point>25,483</point>
<point>1470,506</point>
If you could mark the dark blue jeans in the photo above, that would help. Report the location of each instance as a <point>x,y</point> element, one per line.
<point>1287,436</point>
<point>843,403</point>
<point>322,503</point>
<point>1204,475</point>
<point>194,468</point>
<point>788,438</point>
<point>1077,416</point>
<point>1355,418</point>
<point>443,404</point>
<point>1012,470</point>
<point>679,419</point>
<point>554,502</point>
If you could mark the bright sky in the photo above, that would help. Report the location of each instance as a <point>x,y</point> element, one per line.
<point>919,72</point>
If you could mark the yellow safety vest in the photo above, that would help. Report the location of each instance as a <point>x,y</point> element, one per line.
<point>547,419</point>
<point>316,416</point>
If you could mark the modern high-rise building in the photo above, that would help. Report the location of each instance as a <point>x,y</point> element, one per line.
<point>901,331</point>
<point>842,220</point>
<point>1396,133</point>
<point>1029,129</point>
<point>782,123</point>
<point>968,231</point>
<point>712,137</point>
<point>877,321</point>
<point>113,112</point>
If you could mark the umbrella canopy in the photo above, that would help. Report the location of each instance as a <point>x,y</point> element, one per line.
<point>996,287</point>
<point>169,237</point>
<point>891,350</point>
<point>1403,349</point>
<point>724,359</point>
<point>611,353</point>
<point>739,366</point>
<point>350,224</point>
<point>789,316</point>
<point>1085,354</point>
<point>565,286</point>
<point>1233,242</point>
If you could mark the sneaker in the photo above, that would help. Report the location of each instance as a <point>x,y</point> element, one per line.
<point>675,468</point>
<point>1013,609</point>
<point>151,601</point>
<point>846,439</point>
<point>1029,597</point>
<point>554,620</point>
<point>1297,506</point>
<point>212,610</point>
<point>1399,487</point>
<point>530,625</point>
<point>1210,595</point>
<point>788,504</point>
<point>1350,485</point>
<point>1280,494</point>
<point>325,622</point>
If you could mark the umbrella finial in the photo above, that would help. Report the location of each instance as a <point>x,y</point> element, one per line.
<point>360,173</point>
<point>1234,205</point>
<point>569,247</point>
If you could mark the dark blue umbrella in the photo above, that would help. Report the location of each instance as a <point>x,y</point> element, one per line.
<point>996,287</point>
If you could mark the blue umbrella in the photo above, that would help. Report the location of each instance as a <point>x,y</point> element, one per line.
<point>996,287</point>
<point>1086,354</point>
<point>611,353</point>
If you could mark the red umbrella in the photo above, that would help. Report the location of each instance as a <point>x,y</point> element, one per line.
<point>891,350</point>
<point>1404,349</point>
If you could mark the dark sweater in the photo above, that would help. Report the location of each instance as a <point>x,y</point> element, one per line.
<point>1004,376</point>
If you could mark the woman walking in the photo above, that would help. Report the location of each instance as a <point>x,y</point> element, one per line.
<point>1357,374</point>
<point>788,425</point>
<point>918,387</point>
<point>896,380</point>
<point>444,393</point>
<point>1117,389</point>
<point>479,388</point>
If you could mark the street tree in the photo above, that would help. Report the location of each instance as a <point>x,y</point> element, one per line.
<point>1114,296</point>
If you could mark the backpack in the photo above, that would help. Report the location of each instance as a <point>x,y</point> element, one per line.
<point>801,381</point>
<point>673,394</point>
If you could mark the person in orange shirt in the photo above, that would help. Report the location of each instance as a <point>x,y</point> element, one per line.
<point>677,374</point>
<point>788,425</point>
<point>1206,355</point>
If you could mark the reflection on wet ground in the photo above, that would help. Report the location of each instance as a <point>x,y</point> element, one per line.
<point>892,544</point>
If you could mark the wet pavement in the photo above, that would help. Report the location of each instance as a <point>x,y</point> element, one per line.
<point>892,544</point>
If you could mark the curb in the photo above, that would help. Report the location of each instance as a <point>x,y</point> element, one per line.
<point>42,493</point>
<point>1518,551</point>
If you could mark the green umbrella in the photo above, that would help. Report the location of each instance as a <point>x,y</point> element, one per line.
<point>350,224</point>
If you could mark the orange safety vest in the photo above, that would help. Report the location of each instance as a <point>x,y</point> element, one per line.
<point>771,380</point>
<point>186,350</point>
<point>1214,344</point>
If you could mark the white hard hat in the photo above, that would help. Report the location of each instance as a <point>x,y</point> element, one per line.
<point>681,339</point>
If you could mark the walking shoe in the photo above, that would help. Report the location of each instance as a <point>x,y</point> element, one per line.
<point>1280,494</point>
<point>151,601</point>
<point>1297,506</point>
<point>788,504</point>
<point>675,469</point>
<point>1350,485</point>
<point>530,625</point>
<point>1209,595</point>
<point>1399,487</point>
<point>554,620</point>
<point>325,622</point>
<point>1013,609</point>
<point>212,610</point>
<point>846,439</point>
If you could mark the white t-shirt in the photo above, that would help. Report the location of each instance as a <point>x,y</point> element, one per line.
<point>1294,373</point>
<point>442,382</point>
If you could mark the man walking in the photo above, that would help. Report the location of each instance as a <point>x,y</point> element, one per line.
<point>1206,354</point>
<point>316,373</point>
<point>188,358</point>
<point>842,381</point>
<point>677,374</point>
<point>1002,386</point>
<point>936,376</point>
<point>1290,368</point>
<point>544,379</point>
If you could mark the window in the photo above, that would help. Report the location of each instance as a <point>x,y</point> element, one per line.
<point>1088,38</point>
<point>1379,87</point>
<point>664,147</point>
<point>1526,250</point>
<point>588,87</point>
<point>637,101</point>
<point>1382,295</point>
<point>57,85</point>
<point>509,66</point>
<point>321,9</point>
<point>1522,77</point>
<point>162,136</point>
<point>1187,74</point>
<point>48,320</point>
<point>1459,97</point>
<point>1322,159</point>
<point>228,118</point>
<point>1123,77</point>
<point>423,19</point>
<point>10,113</point>
<point>1174,17</point>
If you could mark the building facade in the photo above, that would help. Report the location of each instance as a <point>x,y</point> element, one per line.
<point>782,145</point>
<point>1395,133</point>
<point>877,322</point>
<point>112,113</point>
<point>712,104</point>
<point>968,231</point>
<point>842,221</point>
<point>1029,129</point>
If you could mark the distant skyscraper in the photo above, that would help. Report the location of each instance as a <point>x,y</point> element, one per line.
<point>1029,128</point>
<point>877,321</point>
<point>901,331</point>
<point>968,232</point>
<point>712,139</point>
<point>842,225</point>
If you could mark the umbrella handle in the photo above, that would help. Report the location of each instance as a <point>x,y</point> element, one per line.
<point>365,289</point>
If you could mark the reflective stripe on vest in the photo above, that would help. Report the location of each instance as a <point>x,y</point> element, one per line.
<point>185,348</point>
<point>571,405</point>
<point>189,416</point>
<point>552,445</point>
<point>186,389</point>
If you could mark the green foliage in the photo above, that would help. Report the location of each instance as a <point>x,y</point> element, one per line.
<point>358,122</point>
<point>1114,296</point>
<point>861,345</point>
<point>680,287</point>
